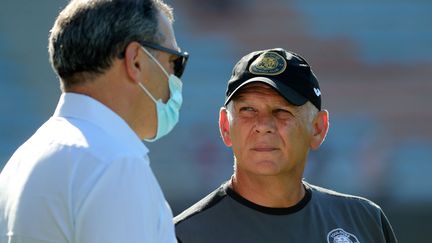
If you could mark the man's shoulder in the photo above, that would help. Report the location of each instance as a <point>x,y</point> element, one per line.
<point>202,205</point>
<point>324,195</point>
<point>84,137</point>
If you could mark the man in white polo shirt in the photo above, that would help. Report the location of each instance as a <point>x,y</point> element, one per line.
<point>84,176</point>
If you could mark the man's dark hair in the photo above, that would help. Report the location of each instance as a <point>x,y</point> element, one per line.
<point>89,34</point>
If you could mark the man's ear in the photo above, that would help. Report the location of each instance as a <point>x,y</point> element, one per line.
<point>224,126</point>
<point>135,62</point>
<point>320,128</point>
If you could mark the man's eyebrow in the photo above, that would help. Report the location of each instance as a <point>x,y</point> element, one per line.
<point>282,104</point>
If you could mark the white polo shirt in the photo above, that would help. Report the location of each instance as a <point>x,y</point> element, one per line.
<point>83,177</point>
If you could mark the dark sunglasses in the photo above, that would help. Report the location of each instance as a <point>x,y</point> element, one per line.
<point>179,62</point>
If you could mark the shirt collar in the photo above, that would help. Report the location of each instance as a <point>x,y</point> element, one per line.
<point>84,107</point>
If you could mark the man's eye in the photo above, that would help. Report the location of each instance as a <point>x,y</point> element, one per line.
<point>247,109</point>
<point>247,112</point>
<point>282,113</point>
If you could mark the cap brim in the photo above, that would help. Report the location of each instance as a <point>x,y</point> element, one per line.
<point>285,91</point>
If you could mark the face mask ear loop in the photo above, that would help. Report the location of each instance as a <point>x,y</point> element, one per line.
<point>147,92</point>
<point>156,61</point>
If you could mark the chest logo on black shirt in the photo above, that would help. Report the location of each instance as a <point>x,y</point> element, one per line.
<point>341,236</point>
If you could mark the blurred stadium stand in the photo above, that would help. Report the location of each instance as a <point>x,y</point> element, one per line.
<point>373,59</point>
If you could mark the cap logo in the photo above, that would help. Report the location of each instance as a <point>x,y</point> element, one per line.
<point>317,92</point>
<point>268,63</point>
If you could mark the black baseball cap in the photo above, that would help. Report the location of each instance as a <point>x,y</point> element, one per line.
<point>285,71</point>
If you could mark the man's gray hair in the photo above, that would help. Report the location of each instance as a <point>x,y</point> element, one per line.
<point>89,34</point>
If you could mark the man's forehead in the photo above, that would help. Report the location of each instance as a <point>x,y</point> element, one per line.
<point>257,87</point>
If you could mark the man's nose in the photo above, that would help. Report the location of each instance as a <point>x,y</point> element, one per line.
<point>265,124</point>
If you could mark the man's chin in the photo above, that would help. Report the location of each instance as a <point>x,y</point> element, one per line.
<point>266,168</point>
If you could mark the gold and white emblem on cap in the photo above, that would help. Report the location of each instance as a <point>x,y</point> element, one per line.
<point>268,63</point>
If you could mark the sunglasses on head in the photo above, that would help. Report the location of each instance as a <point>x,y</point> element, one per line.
<point>179,62</point>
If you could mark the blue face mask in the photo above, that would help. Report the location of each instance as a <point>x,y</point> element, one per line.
<point>167,113</point>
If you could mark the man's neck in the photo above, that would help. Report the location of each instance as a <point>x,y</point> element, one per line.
<point>269,191</point>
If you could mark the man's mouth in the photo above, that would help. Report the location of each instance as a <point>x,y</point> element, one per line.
<point>264,149</point>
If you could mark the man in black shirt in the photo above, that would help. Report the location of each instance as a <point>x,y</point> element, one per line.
<point>271,118</point>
